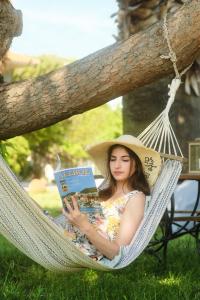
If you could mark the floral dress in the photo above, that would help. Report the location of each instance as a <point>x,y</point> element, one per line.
<point>107,224</point>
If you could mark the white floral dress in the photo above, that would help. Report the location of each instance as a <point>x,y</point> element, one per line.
<point>106,224</point>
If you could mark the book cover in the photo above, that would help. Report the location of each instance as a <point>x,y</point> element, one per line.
<point>78,181</point>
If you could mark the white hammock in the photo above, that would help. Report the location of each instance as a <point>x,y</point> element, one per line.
<point>24,224</point>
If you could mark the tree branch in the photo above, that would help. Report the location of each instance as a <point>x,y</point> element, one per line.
<point>100,77</point>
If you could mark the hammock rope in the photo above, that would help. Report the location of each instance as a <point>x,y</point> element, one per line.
<point>159,135</point>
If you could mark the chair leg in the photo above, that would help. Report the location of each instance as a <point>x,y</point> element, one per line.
<point>197,239</point>
<point>165,252</point>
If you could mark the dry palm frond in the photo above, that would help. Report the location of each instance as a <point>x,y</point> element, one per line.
<point>192,79</point>
<point>187,84</point>
<point>152,3</point>
<point>141,13</point>
<point>136,11</point>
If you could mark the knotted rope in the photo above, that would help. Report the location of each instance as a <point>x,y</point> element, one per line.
<point>159,135</point>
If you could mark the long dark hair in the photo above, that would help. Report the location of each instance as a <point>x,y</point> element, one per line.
<point>136,181</point>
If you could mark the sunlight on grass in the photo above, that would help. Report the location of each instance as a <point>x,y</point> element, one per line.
<point>91,276</point>
<point>170,281</point>
<point>49,200</point>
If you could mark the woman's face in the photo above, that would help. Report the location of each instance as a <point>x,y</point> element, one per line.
<point>122,165</point>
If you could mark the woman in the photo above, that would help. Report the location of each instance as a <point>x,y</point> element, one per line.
<point>123,162</point>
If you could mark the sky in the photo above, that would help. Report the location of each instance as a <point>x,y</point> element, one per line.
<point>65,28</point>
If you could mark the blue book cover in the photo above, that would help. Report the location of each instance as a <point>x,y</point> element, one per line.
<point>79,181</point>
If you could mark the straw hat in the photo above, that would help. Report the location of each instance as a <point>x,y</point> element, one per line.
<point>150,159</point>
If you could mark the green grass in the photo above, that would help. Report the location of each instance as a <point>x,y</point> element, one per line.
<point>21,278</point>
<point>49,200</point>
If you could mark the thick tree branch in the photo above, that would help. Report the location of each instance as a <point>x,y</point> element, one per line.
<point>100,77</point>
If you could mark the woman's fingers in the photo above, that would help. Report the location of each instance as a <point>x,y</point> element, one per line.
<point>73,213</point>
<point>75,203</point>
<point>65,213</point>
<point>68,206</point>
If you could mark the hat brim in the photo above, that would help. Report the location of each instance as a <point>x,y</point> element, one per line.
<point>150,158</point>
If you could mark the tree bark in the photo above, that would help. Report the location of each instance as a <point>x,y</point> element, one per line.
<point>10,25</point>
<point>100,77</point>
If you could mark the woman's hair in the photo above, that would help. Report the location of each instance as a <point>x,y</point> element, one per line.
<point>136,181</point>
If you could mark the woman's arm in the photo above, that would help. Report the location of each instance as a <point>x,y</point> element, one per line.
<point>130,221</point>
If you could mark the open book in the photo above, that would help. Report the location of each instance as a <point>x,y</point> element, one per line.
<point>80,182</point>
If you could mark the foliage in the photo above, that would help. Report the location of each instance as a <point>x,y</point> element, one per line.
<point>3,150</point>
<point>92,126</point>
<point>69,138</point>
<point>45,144</point>
<point>18,152</point>
<point>47,64</point>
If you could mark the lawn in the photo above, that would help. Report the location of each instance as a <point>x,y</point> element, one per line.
<point>21,278</point>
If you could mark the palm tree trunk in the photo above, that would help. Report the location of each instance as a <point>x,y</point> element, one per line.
<point>143,105</point>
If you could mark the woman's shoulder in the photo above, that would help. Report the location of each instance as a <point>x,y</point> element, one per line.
<point>133,194</point>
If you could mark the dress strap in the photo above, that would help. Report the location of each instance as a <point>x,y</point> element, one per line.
<point>131,195</point>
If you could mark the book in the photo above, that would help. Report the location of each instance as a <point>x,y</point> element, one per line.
<point>80,182</point>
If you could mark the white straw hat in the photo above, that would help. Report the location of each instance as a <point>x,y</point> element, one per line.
<point>150,159</point>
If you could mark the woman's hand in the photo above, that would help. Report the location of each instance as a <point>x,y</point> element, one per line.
<point>80,220</point>
<point>74,215</point>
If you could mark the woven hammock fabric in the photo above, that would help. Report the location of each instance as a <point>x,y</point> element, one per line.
<point>24,224</point>
<point>160,197</point>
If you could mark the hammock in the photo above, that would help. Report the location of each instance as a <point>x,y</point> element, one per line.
<point>24,224</point>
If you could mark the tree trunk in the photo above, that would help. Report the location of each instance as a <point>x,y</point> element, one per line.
<point>10,25</point>
<point>100,77</point>
<point>143,105</point>
<point>185,119</point>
